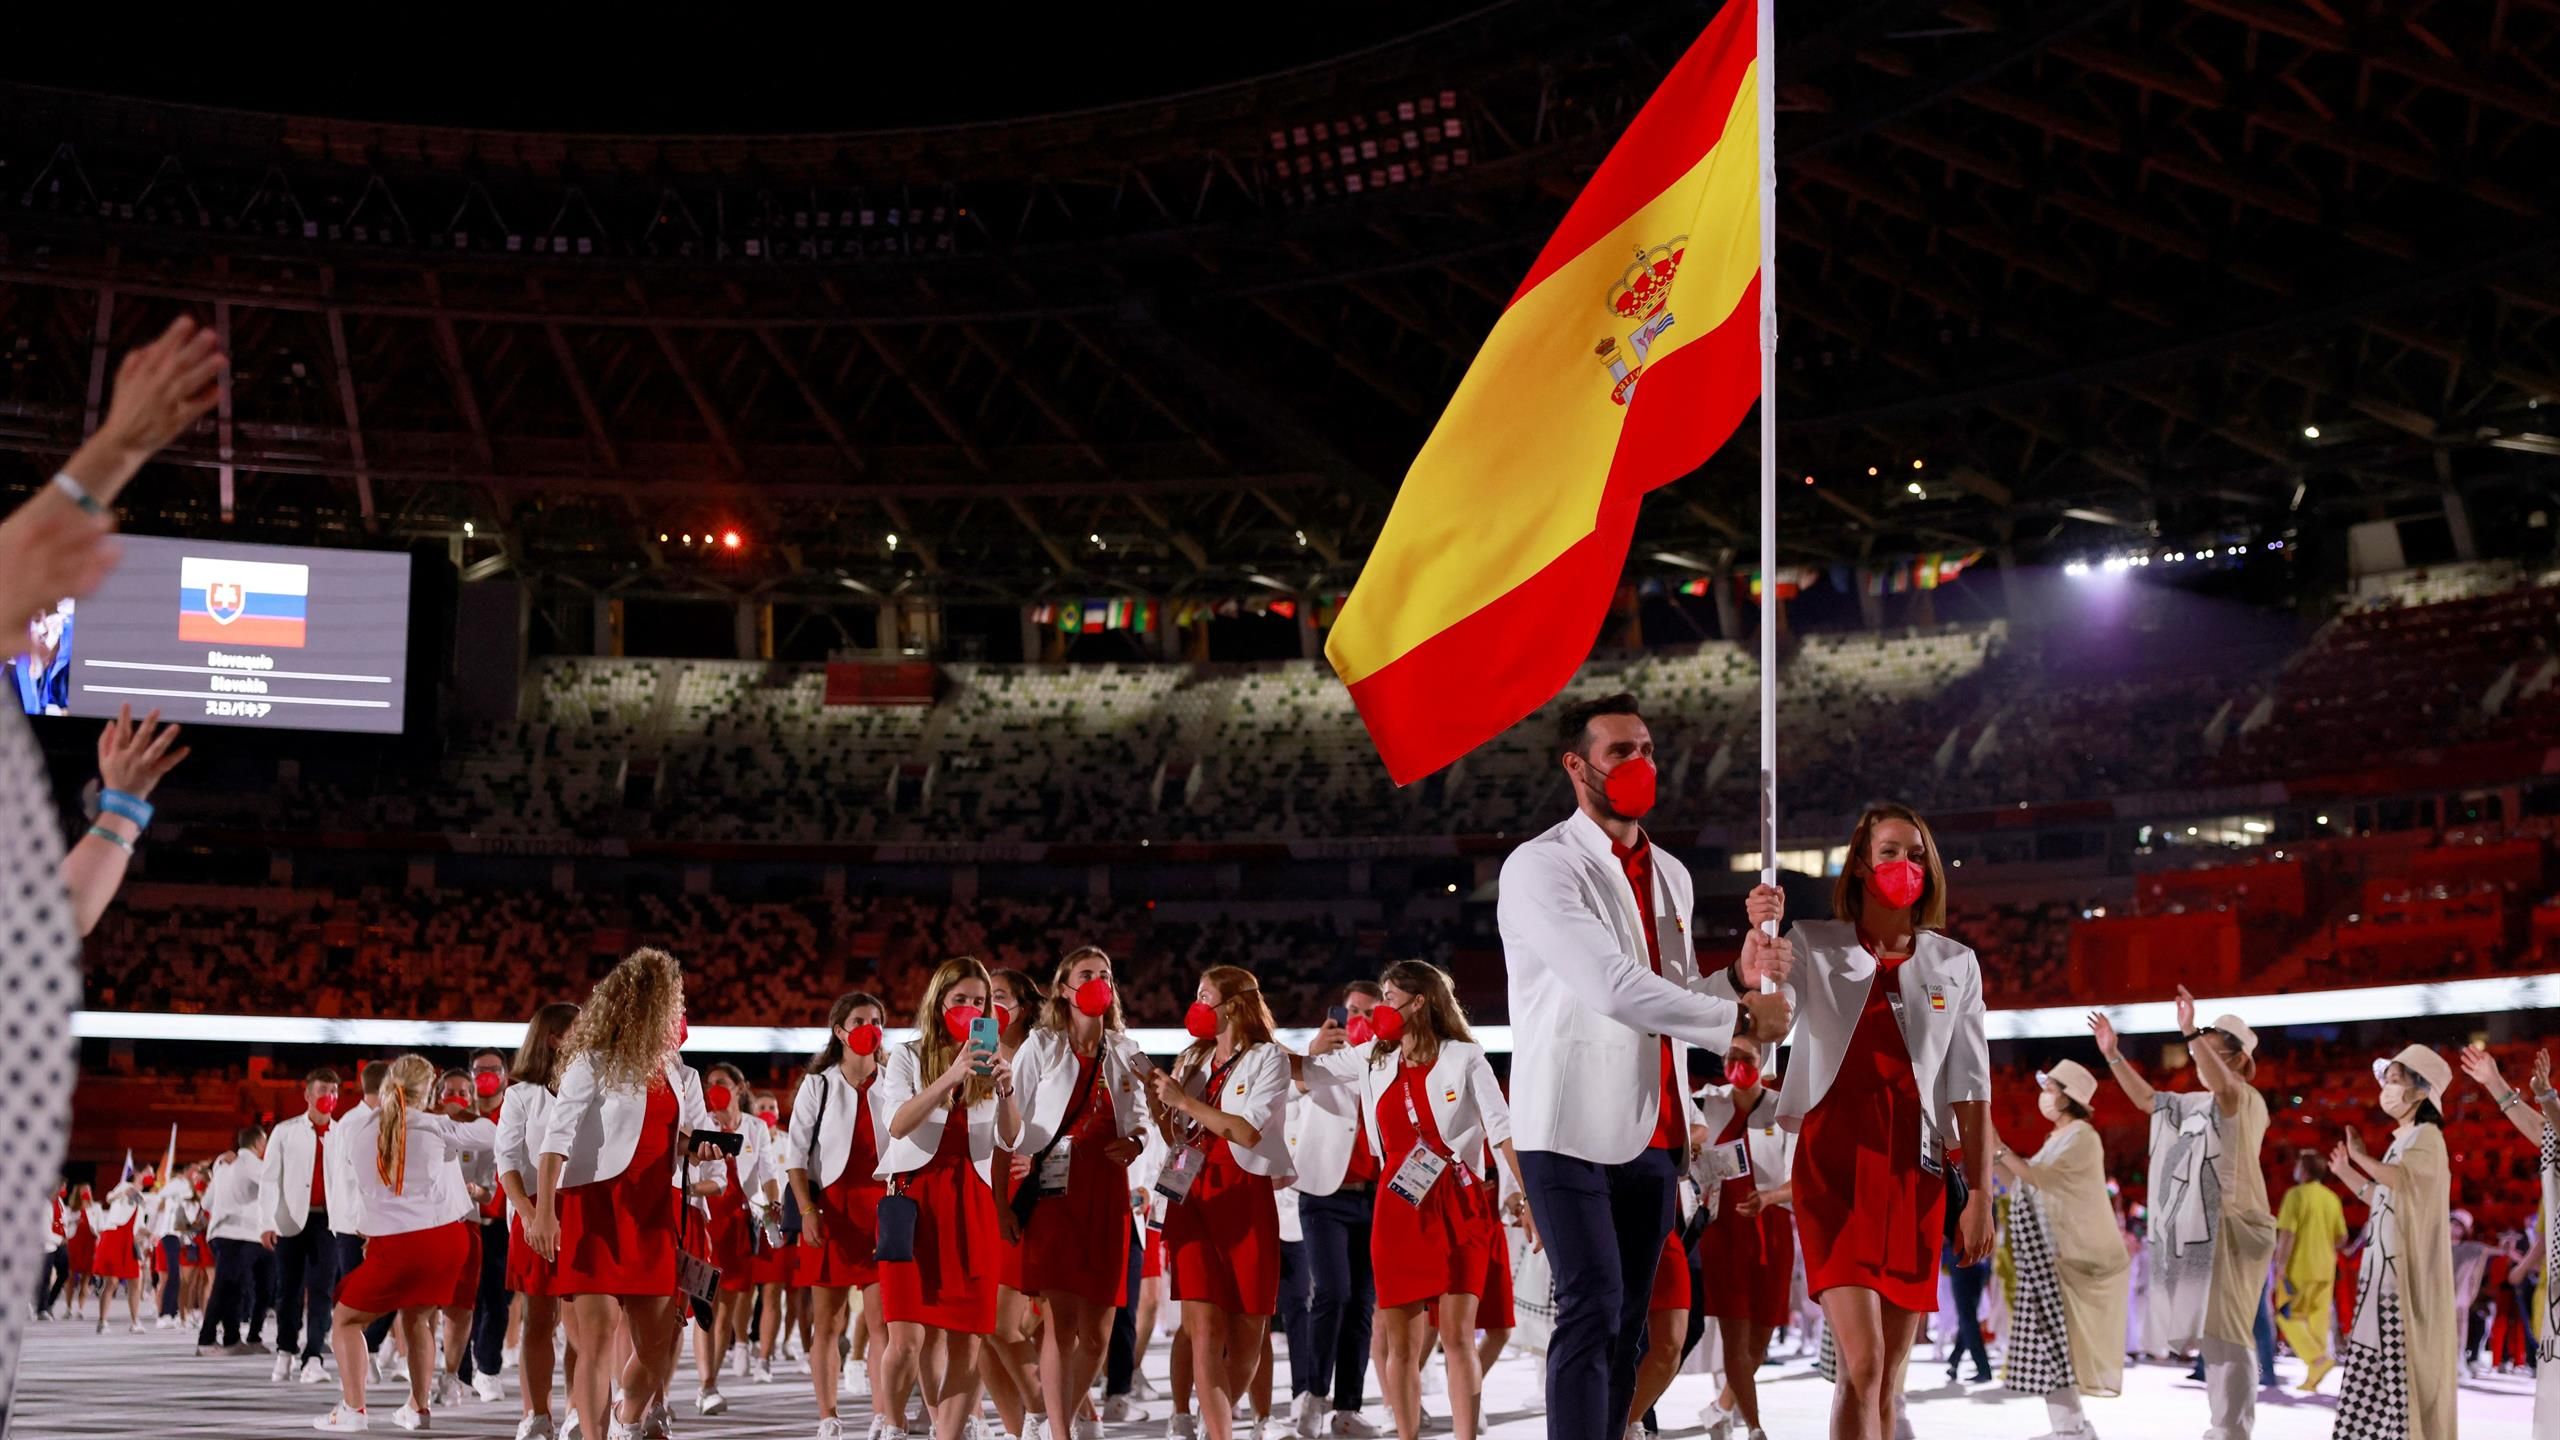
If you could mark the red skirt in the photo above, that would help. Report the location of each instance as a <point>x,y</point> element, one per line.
<point>1495,1312</point>
<point>1078,1243</point>
<point>1151,1264</point>
<point>803,1265</point>
<point>412,1270</point>
<point>733,1242</point>
<point>618,1236</point>
<point>466,1276</point>
<point>1224,1240</point>
<point>115,1258</point>
<point>1670,1277</point>
<point>1753,1263</point>
<point>84,1252</point>
<point>951,1284</point>
<point>1420,1253</point>
<point>850,1258</point>
<point>1868,1216</point>
<point>527,1273</point>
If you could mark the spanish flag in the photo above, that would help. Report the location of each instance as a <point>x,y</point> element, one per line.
<point>1625,358</point>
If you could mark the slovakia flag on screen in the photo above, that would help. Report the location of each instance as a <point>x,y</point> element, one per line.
<point>242,602</point>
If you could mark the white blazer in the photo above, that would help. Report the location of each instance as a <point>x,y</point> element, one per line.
<point>431,1180</point>
<point>1940,1014</point>
<point>346,1202</point>
<point>1324,1124</point>
<point>900,1081</point>
<point>1587,1009</point>
<point>232,1199</point>
<point>597,1131</point>
<point>522,1124</point>
<point>1257,1091</point>
<point>1772,1145</point>
<point>828,1138</point>
<point>1044,1085</point>
<point>284,1178</point>
<point>1466,1101</point>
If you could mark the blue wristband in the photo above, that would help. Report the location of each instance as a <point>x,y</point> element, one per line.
<point>130,807</point>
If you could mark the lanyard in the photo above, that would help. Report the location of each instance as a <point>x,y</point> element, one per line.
<point>1413,1117</point>
<point>1199,1137</point>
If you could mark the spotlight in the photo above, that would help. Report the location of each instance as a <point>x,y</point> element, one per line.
<point>1871,470</point>
<point>2310,432</point>
<point>1913,487</point>
<point>2320,820</point>
<point>688,538</point>
<point>730,539</point>
<point>466,529</point>
<point>1808,479</point>
<point>1916,464</point>
<point>2077,569</point>
<point>893,540</point>
<point>662,537</point>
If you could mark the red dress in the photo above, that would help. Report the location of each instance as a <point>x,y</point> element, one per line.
<point>527,1272</point>
<point>1420,1253</point>
<point>115,1257</point>
<point>83,1245</point>
<point>733,1232</point>
<point>618,1236</point>
<point>951,1284</point>
<point>1752,1258</point>
<point>1670,1277</point>
<point>1870,1217</point>
<point>1079,1242</point>
<point>851,1210</point>
<point>412,1270</point>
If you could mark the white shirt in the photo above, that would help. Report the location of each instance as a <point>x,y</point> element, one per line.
<point>346,1202</point>
<point>284,1177</point>
<point>1941,1015</point>
<point>1324,1130</point>
<point>596,1131</point>
<point>1044,1085</point>
<point>900,1081</point>
<point>523,1123</point>
<point>425,1198</point>
<point>1466,1101</point>
<point>1588,1011</point>
<point>1256,1090</point>
<point>1771,1145</point>
<point>232,1199</point>
<point>823,1115</point>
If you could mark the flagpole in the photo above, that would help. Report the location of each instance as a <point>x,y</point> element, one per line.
<point>1768,86</point>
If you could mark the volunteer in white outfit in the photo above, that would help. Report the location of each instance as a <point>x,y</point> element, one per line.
<point>2213,1231</point>
<point>1082,1085</point>
<point>2404,1356</point>
<point>415,1242</point>
<point>609,1204</point>
<point>1337,1173</point>
<point>1606,998</point>
<point>1891,1073</point>
<point>1225,1113</point>
<point>523,1122</point>
<point>231,1206</point>
<point>1747,1251</point>
<point>1429,1103</point>
<point>293,1200</point>
<point>2067,1320</point>
<point>833,1154</point>
<point>2538,1120</point>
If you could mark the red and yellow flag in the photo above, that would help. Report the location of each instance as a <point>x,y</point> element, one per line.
<point>1493,574</point>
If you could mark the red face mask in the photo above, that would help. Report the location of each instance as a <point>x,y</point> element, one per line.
<point>1630,787</point>
<point>327,1104</point>
<point>957,1020</point>
<point>684,1030</point>
<point>1004,1019</point>
<point>772,1119</point>
<point>488,1083</point>
<point>1741,1074</point>
<point>1388,1022</point>
<point>1201,1020</point>
<point>1897,883</point>
<point>1360,1031</point>
<point>1093,997</point>
<point>459,1104</point>
<point>716,1097</point>
<point>862,1039</point>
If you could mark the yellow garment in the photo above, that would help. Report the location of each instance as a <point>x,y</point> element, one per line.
<point>2318,1223</point>
<point>2247,1240</point>
<point>2089,1260</point>
<point>2302,1315</point>
<point>2422,1203</point>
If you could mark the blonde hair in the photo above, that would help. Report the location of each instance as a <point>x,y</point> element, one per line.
<point>934,1047</point>
<point>1439,1000</point>
<point>1060,1013</point>
<point>628,1023</point>
<point>1250,1017</point>
<point>1929,912</point>
<point>405,1088</point>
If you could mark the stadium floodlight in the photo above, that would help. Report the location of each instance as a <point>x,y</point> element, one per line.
<point>1872,471</point>
<point>2310,432</point>
<point>2077,569</point>
<point>893,539</point>
<point>1914,488</point>
<point>730,539</point>
<point>466,530</point>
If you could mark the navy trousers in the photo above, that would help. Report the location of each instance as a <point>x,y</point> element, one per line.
<point>1342,1294</point>
<point>306,1278</point>
<point>1604,1228</point>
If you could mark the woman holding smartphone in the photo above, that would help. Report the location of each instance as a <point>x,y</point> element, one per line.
<point>943,1136</point>
<point>1224,1111</point>
<point>1083,1086</point>
<point>837,1136</point>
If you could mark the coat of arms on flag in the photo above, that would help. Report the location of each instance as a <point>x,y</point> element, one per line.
<point>242,602</point>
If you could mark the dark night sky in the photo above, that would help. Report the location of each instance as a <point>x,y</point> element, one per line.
<point>867,66</point>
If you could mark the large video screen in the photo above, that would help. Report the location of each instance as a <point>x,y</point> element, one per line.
<point>208,632</point>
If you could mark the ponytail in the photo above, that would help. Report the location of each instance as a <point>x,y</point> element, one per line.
<point>405,1086</point>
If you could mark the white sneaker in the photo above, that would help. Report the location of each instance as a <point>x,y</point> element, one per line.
<point>760,1369</point>
<point>137,1328</point>
<point>1354,1424</point>
<point>1637,1431</point>
<point>487,1387</point>
<point>1434,1382</point>
<point>444,1392</point>
<point>283,1370</point>
<point>830,1428</point>
<point>314,1371</point>
<point>1759,1434</point>
<point>710,1402</point>
<point>1035,1427</point>
<point>1717,1420</point>
<point>1182,1427</point>
<point>1306,1416</point>
<point>658,1422</point>
<point>341,1421</point>
<point>511,1358</point>
<point>976,1429</point>
<point>1085,1428</point>
<point>373,1367</point>
<point>1120,1410</point>
<point>569,1425</point>
<point>1142,1388</point>
<point>410,1417</point>
<point>881,1429</point>
<point>534,1427</point>
<point>1244,1409</point>
<point>614,1429</point>
<point>396,1368</point>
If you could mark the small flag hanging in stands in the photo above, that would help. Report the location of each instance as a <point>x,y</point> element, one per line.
<point>1097,617</point>
<point>1285,609</point>
<point>1700,586</point>
<point>1070,618</point>
<point>1925,573</point>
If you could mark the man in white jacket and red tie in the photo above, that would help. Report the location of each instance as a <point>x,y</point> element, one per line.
<point>1606,999</point>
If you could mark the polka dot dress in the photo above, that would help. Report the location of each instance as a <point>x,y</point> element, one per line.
<point>39,989</point>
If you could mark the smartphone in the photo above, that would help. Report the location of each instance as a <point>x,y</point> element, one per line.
<point>727,1142</point>
<point>1339,1014</point>
<point>984,1038</point>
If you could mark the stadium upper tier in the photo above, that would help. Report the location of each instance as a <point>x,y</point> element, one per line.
<point>1962,718</point>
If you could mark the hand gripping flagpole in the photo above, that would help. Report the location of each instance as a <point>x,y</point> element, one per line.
<point>1768,99</point>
